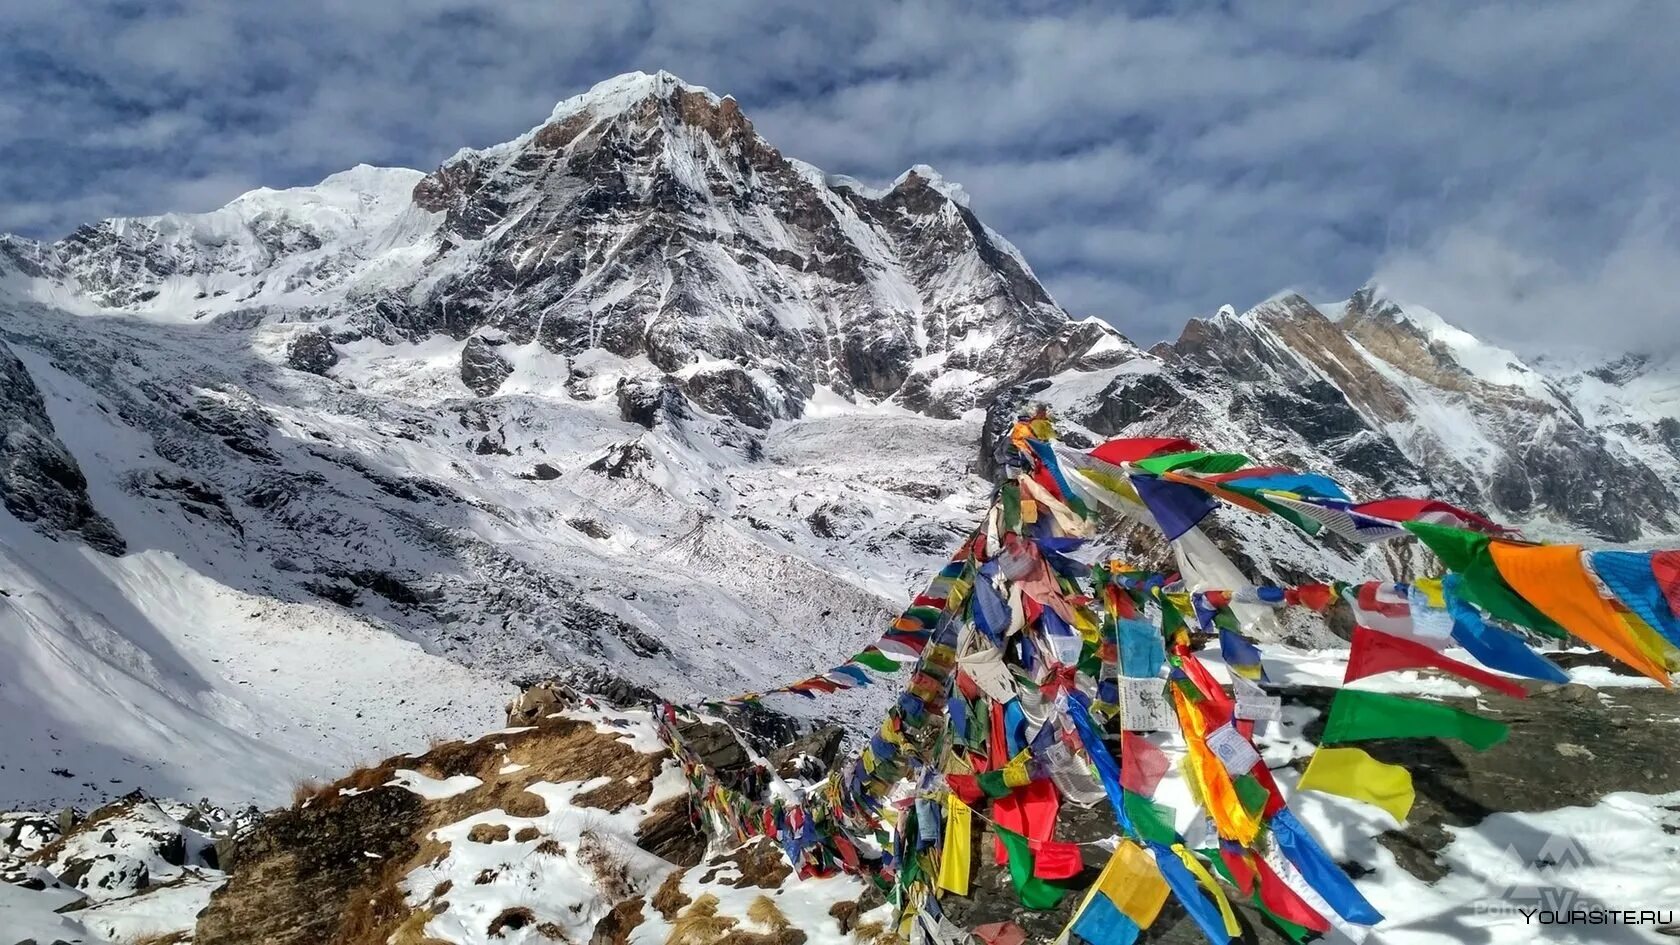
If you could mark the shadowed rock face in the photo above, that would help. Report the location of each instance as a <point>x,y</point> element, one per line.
<point>40,482</point>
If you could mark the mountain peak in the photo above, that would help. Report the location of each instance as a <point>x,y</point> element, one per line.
<point>621,92</point>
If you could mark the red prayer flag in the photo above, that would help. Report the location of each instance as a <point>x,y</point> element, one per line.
<point>1315,596</point>
<point>1236,863</point>
<point>1130,450</point>
<point>966,787</point>
<point>997,741</point>
<point>1429,510</point>
<point>1142,765</point>
<point>1029,810</point>
<point>1056,859</point>
<point>1665,567</point>
<point>1286,903</point>
<point>1376,652</point>
<point>1000,933</point>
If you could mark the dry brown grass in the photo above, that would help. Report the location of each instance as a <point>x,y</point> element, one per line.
<point>700,924</point>
<point>608,861</point>
<point>526,834</point>
<point>549,847</point>
<point>306,790</point>
<point>669,899</point>
<point>765,912</point>
<point>875,933</point>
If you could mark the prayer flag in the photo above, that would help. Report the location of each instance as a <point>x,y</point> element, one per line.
<point>1356,715</point>
<point>1350,772</point>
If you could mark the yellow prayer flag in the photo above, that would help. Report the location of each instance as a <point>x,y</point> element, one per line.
<point>1232,927</point>
<point>954,856</point>
<point>1650,642</point>
<point>1350,772</point>
<point>1133,882</point>
<point>1016,773</point>
<point>1430,588</point>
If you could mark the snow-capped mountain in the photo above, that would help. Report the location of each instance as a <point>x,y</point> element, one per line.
<point>635,400</point>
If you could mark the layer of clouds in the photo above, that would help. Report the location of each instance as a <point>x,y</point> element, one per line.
<point>1512,165</point>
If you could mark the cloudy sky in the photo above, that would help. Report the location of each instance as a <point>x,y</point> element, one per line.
<point>1512,165</point>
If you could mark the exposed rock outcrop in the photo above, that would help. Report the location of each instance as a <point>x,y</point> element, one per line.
<point>312,351</point>
<point>40,481</point>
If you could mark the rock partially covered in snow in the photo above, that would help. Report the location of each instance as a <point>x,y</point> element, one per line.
<point>40,482</point>
<point>312,351</point>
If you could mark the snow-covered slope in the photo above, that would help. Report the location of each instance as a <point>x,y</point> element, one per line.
<point>635,400</point>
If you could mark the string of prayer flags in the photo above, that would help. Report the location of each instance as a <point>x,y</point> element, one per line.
<point>1352,773</point>
<point>1356,715</point>
<point>1016,643</point>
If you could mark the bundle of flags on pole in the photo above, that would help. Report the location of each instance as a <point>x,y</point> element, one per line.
<point>1039,682</point>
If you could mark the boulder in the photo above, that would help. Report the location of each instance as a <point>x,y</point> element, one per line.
<point>312,352</point>
<point>483,369</point>
<point>539,702</point>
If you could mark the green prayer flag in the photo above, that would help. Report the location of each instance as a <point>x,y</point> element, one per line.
<point>1010,494</point>
<point>877,661</point>
<point>1196,461</point>
<point>1466,552</point>
<point>1035,893</point>
<point>1251,793</point>
<point>1356,715</point>
<point>1153,821</point>
<point>993,784</point>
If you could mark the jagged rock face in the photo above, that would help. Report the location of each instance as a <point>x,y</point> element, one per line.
<point>651,220</point>
<point>1384,396</point>
<point>40,482</point>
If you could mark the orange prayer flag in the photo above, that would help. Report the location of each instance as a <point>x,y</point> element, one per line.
<point>1551,578</point>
